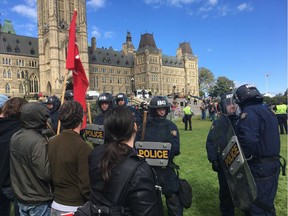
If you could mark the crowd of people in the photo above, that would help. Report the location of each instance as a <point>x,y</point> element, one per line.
<point>48,173</point>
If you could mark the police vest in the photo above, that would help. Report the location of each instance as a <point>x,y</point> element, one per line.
<point>187,110</point>
<point>281,109</point>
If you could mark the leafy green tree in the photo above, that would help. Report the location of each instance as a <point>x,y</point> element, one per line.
<point>222,85</point>
<point>206,79</point>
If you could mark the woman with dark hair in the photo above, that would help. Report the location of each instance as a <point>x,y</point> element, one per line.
<point>107,166</point>
<point>9,124</point>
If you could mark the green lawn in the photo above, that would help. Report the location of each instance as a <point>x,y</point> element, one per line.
<point>195,167</point>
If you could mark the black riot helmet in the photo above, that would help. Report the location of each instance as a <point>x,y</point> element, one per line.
<point>247,93</point>
<point>227,104</point>
<point>53,100</point>
<point>106,97</point>
<point>69,95</point>
<point>120,97</point>
<point>158,102</point>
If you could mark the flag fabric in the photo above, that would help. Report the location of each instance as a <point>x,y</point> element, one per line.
<point>73,62</point>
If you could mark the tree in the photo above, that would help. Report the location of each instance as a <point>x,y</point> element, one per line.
<point>222,86</point>
<point>206,79</point>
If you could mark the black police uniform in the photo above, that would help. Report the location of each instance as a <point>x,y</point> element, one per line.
<point>160,129</point>
<point>260,141</point>
<point>53,112</point>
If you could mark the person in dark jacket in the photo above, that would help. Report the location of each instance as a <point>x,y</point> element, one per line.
<point>53,104</point>
<point>160,129</point>
<point>29,165</point>
<point>259,138</point>
<point>9,124</point>
<point>68,156</point>
<point>140,198</point>
<point>105,102</point>
<point>228,108</point>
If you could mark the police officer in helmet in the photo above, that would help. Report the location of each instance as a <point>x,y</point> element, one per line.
<point>69,95</point>
<point>53,104</point>
<point>259,138</point>
<point>160,129</point>
<point>227,107</point>
<point>122,100</point>
<point>105,102</point>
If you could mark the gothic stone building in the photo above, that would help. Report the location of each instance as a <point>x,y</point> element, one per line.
<point>32,65</point>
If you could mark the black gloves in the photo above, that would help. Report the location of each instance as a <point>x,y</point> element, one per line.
<point>216,166</point>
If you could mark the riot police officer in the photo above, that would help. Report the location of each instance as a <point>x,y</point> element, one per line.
<point>122,100</point>
<point>105,102</point>
<point>53,104</point>
<point>259,138</point>
<point>167,131</point>
<point>69,95</point>
<point>228,108</point>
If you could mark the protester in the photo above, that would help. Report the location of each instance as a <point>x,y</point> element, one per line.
<point>188,116</point>
<point>53,103</point>
<point>68,156</point>
<point>106,162</point>
<point>260,141</point>
<point>160,129</point>
<point>281,114</point>
<point>203,108</point>
<point>29,166</point>
<point>9,124</point>
<point>228,108</point>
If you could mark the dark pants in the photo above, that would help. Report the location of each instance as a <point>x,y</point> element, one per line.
<point>6,198</point>
<point>282,122</point>
<point>174,205</point>
<point>226,203</point>
<point>188,121</point>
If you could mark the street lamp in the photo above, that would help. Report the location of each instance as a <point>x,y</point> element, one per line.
<point>174,87</point>
<point>132,84</point>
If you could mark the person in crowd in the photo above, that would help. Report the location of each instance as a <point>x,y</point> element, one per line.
<point>29,165</point>
<point>259,138</point>
<point>212,111</point>
<point>281,114</point>
<point>188,116</point>
<point>53,103</point>
<point>167,131</point>
<point>69,95</point>
<point>140,197</point>
<point>68,155</point>
<point>195,101</point>
<point>227,107</point>
<point>3,99</point>
<point>122,100</point>
<point>106,102</point>
<point>203,108</point>
<point>9,124</point>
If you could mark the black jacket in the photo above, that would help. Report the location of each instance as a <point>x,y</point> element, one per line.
<point>140,196</point>
<point>8,126</point>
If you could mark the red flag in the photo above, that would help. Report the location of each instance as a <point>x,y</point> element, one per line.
<point>80,81</point>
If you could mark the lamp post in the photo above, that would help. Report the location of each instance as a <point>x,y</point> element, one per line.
<point>132,84</point>
<point>174,87</point>
<point>267,75</point>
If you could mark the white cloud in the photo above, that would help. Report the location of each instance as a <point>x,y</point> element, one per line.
<point>244,7</point>
<point>209,50</point>
<point>26,11</point>
<point>213,2</point>
<point>96,4</point>
<point>95,32</point>
<point>108,34</point>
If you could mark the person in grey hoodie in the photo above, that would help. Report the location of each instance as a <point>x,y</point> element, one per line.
<point>29,165</point>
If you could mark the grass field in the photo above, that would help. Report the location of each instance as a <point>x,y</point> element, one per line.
<point>195,167</point>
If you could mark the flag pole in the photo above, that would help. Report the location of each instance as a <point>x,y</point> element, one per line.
<point>89,112</point>
<point>62,97</point>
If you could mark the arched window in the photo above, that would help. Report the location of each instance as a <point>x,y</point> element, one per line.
<point>33,84</point>
<point>21,89</point>
<point>22,75</point>
<point>7,88</point>
<point>18,74</point>
<point>4,74</point>
<point>9,74</point>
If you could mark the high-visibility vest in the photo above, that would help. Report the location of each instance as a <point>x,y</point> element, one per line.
<point>281,109</point>
<point>187,110</point>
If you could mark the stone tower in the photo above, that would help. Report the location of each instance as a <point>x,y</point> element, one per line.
<point>54,19</point>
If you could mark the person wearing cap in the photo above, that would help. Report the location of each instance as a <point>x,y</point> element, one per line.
<point>227,107</point>
<point>68,155</point>
<point>259,138</point>
<point>29,165</point>
<point>9,124</point>
<point>3,99</point>
<point>53,104</point>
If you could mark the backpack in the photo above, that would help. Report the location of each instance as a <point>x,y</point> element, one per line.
<point>127,167</point>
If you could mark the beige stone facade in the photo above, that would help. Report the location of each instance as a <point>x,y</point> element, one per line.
<point>39,66</point>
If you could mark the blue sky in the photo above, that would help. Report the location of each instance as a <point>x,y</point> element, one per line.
<point>244,40</point>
